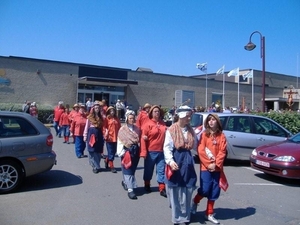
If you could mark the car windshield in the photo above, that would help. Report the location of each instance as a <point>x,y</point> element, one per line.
<point>295,138</point>
<point>196,120</point>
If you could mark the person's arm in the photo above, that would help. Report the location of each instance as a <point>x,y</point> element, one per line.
<point>105,128</point>
<point>168,148</point>
<point>87,125</point>
<point>60,120</point>
<point>120,147</point>
<point>168,151</point>
<point>144,144</point>
<point>72,128</point>
<point>201,150</point>
<point>220,157</point>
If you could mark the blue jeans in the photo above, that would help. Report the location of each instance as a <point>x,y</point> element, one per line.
<point>79,146</point>
<point>57,128</point>
<point>154,158</point>
<point>65,130</point>
<point>111,150</point>
<point>209,185</point>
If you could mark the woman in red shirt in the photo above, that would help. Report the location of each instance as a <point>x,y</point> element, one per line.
<point>72,114</point>
<point>111,128</point>
<point>212,152</point>
<point>77,128</point>
<point>152,144</point>
<point>65,123</point>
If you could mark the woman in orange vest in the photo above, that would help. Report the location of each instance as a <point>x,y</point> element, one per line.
<point>77,128</point>
<point>65,123</point>
<point>212,152</point>
<point>111,128</point>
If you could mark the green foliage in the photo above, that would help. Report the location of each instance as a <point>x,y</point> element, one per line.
<point>10,107</point>
<point>44,114</point>
<point>44,111</point>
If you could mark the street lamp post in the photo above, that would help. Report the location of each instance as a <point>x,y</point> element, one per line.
<point>249,47</point>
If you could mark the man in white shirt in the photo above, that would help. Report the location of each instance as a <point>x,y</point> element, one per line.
<point>89,104</point>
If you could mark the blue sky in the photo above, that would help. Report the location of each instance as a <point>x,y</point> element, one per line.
<point>167,36</point>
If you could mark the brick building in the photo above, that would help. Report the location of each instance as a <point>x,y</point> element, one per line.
<point>46,82</point>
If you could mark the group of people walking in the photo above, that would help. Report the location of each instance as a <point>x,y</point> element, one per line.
<point>90,130</point>
<point>165,149</point>
<point>169,150</point>
<point>181,179</point>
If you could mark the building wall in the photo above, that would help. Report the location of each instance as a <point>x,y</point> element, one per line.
<point>160,89</point>
<point>55,81</point>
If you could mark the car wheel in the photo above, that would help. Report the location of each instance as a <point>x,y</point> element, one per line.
<point>11,176</point>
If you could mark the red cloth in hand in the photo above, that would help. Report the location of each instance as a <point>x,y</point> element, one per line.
<point>92,140</point>
<point>223,183</point>
<point>168,172</point>
<point>126,161</point>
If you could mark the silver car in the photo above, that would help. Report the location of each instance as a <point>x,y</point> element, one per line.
<point>25,149</point>
<point>245,132</point>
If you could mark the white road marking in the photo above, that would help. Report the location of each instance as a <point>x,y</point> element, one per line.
<point>249,168</point>
<point>258,184</point>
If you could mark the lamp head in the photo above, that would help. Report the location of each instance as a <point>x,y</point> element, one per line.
<point>250,46</point>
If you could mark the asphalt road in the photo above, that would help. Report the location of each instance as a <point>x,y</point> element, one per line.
<point>70,194</point>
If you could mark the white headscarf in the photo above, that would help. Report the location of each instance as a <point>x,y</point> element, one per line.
<point>129,112</point>
<point>182,110</point>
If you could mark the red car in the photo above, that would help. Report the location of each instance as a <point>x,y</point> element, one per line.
<point>279,159</point>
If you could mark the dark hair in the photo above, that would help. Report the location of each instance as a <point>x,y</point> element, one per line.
<point>175,118</point>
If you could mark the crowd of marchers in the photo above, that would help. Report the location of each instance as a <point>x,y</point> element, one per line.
<point>167,151</point>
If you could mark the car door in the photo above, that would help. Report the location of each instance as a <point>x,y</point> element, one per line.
<point>267,131</point>
<point>240,141</point>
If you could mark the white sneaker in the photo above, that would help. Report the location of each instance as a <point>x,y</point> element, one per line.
<point>194,208</point>
<point>212,219</point>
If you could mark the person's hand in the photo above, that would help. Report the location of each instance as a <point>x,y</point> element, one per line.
<point>71,134</point>
<point>145,138</point>
<point>212,159</point>
<point>211,167</point>
<point>84,139</point>
<point>174,166</point>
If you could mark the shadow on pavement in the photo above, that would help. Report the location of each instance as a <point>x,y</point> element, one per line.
<point>49,180</point>
<point>237,163</point>
<point>224,214</point>
<point>279,180</point>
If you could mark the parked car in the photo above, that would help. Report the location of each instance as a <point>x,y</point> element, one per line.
<point>279,159</point>
<point>245,132</point>
<point>25,149</point>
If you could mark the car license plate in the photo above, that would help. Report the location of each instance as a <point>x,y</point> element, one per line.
<point>265,164</point>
